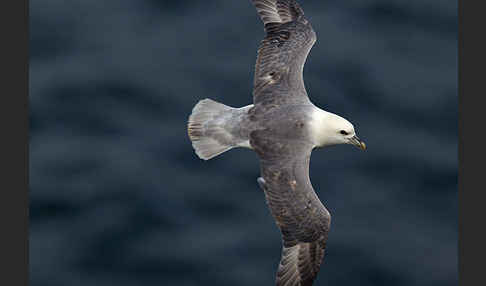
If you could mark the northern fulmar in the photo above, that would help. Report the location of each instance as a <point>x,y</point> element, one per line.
<point>283,127</point>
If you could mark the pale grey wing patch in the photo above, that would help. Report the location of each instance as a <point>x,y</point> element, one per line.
<point>277,11</point>
<point>300,263</point>
<point>267,10</point>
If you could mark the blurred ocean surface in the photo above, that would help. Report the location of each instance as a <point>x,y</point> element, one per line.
<point>118,197</point>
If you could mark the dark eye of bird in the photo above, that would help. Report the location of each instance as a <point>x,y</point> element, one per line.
<point>343,132</point>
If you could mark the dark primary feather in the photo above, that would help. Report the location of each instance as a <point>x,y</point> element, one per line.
<point>282,53</point>
<point>303,221</point>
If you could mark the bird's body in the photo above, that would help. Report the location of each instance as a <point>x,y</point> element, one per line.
<point>283,127</point>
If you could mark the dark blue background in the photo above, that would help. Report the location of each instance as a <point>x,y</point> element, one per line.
<point>118,196</point>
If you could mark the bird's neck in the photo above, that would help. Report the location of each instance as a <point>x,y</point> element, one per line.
<point>320,131</point>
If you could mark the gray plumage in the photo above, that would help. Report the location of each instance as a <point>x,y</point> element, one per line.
<point>282,126</point>
<point>284,148</point>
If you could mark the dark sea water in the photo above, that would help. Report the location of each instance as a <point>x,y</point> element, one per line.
<point>118,197</point>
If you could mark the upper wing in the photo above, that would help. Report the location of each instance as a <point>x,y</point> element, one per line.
<point>282,53</point>
<point>277,11</point>
<point>303,221</point>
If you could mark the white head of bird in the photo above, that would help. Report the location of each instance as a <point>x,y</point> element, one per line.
<point>331,129</point>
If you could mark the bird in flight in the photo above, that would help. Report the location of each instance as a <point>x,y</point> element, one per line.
<point>283,127</point>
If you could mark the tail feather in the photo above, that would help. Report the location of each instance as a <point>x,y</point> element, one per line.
<point>203,129</point>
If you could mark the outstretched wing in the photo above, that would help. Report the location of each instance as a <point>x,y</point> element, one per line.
<point>282,53</point>
<point>303,221</point>
<point>277,11</point>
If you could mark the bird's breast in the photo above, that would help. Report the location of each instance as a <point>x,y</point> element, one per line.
<point>317,127</point>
